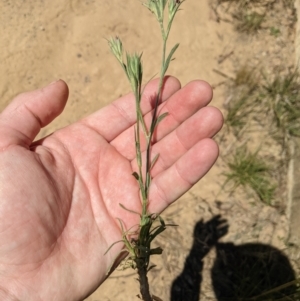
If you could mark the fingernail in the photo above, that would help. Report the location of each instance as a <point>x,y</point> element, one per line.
<point>53,82</point>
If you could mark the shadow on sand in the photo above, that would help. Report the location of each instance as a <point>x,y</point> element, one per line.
<point>252,271</point>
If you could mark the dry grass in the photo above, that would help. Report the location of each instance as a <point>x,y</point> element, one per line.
<point>249,16</point>
<point>251,171</point>
<point>282,95</point>
<point>248,21</point>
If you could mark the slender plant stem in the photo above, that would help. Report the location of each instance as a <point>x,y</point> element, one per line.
<point>140,248</point>
<point>154,117</point>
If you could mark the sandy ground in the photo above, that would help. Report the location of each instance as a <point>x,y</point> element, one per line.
<point>42,41</point>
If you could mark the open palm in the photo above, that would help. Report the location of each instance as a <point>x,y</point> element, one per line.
<point>60,195</point>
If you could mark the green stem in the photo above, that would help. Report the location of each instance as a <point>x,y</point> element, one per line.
<point>139,118</point>
<point>154,117</point>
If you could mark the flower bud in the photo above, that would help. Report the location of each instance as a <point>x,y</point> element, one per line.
<point>134,70</point>
<point>173,7</point>
<point>116,48</point>
<point>156,7</point>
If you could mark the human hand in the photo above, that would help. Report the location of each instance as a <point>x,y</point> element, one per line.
<point>60,195</point>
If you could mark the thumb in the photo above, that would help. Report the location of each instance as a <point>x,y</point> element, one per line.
<point>23,118</point>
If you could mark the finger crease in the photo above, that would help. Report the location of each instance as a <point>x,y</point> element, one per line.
<point>172,114</point>
<point>122,113</point>
<point>181,177</point>
<point>180,142</point>
<point>34,116</point>
<point>162,195</point>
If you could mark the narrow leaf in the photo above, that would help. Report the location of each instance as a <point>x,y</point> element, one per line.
<point>109,270</point>
<point>160,118</point>
<point>151,267</point>
<point>112,246</point>
<point>136,175</point>
<point>132,211</point>
<point>156,232</point>
<point>166,66</point>
<point>154,161</point>
<point>156,251</point>
<point>161,221</point>
<point>121,224</point>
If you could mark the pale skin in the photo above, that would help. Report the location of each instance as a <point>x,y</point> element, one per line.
<point>60,196</point>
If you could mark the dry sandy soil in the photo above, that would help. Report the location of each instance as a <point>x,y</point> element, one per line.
<point>42,41</point>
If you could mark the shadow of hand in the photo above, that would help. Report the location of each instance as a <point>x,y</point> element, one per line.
<point>187,285</point>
